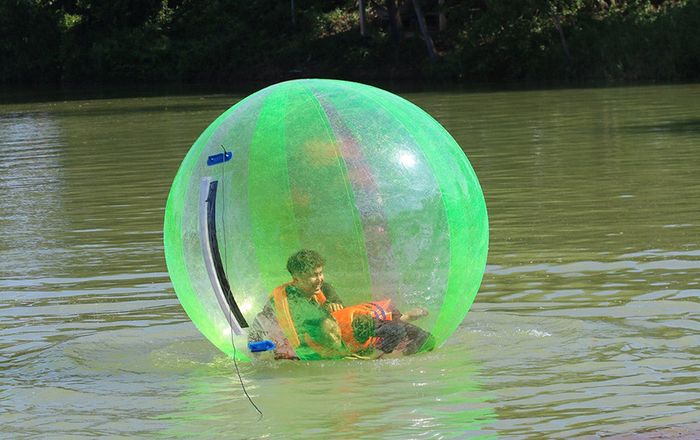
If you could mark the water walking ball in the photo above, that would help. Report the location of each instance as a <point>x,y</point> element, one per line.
<point>365,178</point>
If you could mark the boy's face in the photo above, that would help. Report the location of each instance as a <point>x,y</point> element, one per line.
<point>310,282</point>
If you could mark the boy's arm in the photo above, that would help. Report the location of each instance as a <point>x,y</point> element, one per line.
<point>330,294</point>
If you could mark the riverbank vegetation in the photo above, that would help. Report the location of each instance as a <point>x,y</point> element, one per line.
<point>452,40</point>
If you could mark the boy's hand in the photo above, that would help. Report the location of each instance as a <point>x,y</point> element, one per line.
<point>333,307</point>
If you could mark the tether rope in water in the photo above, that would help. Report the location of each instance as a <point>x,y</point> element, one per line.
<point>230,317</point>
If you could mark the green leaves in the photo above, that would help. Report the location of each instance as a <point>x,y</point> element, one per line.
<point>485,40</point>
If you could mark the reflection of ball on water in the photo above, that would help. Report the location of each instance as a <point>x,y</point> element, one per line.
<point>364,177</point>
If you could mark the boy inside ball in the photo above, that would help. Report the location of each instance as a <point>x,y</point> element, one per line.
<point>306,319</point>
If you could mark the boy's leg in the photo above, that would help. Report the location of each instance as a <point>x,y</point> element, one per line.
<point>417,338</point>
<point>390,334</point>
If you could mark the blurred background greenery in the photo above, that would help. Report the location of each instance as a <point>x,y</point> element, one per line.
<point>221,41</point>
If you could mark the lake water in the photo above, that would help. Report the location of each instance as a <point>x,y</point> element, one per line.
<point>587,323</point>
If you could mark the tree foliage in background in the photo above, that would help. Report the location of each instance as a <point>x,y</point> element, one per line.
<point>226,40</point>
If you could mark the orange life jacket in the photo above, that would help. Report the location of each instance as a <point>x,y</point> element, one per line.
<point>378,309</point>
<point>284,317</point>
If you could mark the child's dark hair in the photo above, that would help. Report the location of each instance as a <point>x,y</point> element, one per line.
<point>304,261</point>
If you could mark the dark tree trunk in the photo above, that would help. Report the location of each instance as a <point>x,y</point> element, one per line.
<point>294,14</point>
<point>363,19</point>
<point>394,21</point>
<point>424,31</point>
<point>564,45</point>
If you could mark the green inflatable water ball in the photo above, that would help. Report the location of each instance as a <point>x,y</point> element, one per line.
<point>365,178</point>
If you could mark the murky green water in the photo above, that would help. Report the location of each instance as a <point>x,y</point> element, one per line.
<point>587,322</point>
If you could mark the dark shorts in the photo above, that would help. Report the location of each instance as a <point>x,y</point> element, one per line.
<point>405,336</point>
